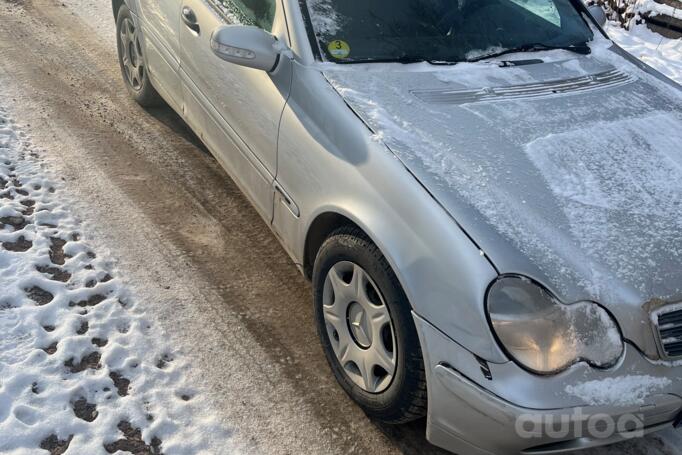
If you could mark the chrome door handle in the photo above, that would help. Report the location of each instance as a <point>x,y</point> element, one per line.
<point>190,19</point>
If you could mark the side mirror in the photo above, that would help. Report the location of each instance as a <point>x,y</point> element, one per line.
<point>246,45</point>
<point>598,14</point>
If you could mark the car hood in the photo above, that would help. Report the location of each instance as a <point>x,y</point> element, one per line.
<point>568,171</point>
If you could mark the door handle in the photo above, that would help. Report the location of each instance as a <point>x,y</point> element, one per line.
<point>190,19</point>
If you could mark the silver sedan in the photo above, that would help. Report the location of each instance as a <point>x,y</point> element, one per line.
<point>486,195</point>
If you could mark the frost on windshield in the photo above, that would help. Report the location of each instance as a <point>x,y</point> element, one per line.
<point>260,14</point>
<point>233,13</point>
<point>546,9</point>
<point>325,19</point>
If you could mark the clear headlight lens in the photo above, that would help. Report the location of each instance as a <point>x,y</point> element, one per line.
<point>547,336</point>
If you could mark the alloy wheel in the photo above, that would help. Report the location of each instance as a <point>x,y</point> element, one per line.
<point>131,54</point>
<point>359,327</point>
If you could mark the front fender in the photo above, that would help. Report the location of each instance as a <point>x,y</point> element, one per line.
<point>329,162</point>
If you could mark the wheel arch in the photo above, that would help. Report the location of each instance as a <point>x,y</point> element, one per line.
<point>331,218</point>
<point>436,265</point>
<point>319,230</point>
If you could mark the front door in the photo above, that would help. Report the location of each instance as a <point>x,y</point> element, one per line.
<point>161,24</point>
<point>235,109</point>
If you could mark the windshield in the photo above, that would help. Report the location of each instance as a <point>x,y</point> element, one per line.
<point>348,31</point>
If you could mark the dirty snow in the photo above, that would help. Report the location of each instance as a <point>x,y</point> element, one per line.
<point>96,13</point>
<point>81,366</point>
<point>622,391</point>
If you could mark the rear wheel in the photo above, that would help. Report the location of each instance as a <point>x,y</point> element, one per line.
<point>365,324</point>
<point>132,60</point>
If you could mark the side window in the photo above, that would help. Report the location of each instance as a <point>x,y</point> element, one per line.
<point>260,13</point>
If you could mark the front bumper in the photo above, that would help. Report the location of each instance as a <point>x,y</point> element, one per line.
<point>479,408</point>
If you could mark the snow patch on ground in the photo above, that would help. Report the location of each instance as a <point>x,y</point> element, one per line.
<point>80,364</point>
<point>623,391</point>
<point>661,53</point>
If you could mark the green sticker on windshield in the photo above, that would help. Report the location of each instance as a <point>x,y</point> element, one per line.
<point>339,49</point>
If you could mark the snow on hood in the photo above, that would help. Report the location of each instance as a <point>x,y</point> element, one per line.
<point>581,190</point>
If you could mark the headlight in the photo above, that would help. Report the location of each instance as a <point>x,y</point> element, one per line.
<point>547,336</point>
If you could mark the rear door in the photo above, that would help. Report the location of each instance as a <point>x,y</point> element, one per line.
<point>235,109</point>
<point>161,24</point>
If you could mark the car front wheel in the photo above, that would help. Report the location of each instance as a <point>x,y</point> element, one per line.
<point>366,328</point>
<point>132,60</point>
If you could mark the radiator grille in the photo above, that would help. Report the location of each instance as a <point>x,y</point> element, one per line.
<point>669,328</point>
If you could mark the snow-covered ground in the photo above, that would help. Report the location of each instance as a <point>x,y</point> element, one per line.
<point>81,366</point>
<point>664,54</point>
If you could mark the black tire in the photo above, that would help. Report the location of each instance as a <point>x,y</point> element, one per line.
<point>405,399</point>
<point>140,87</point>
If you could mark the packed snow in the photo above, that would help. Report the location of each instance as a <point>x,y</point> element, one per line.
<point>81,366</point>
<point>622,391</point>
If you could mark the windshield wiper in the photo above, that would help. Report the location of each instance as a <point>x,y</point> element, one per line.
<point>581,48</point>
<point>384,60</point>
<point>404,60</point>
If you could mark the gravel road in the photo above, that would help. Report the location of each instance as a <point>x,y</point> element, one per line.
<point>203,263</point>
